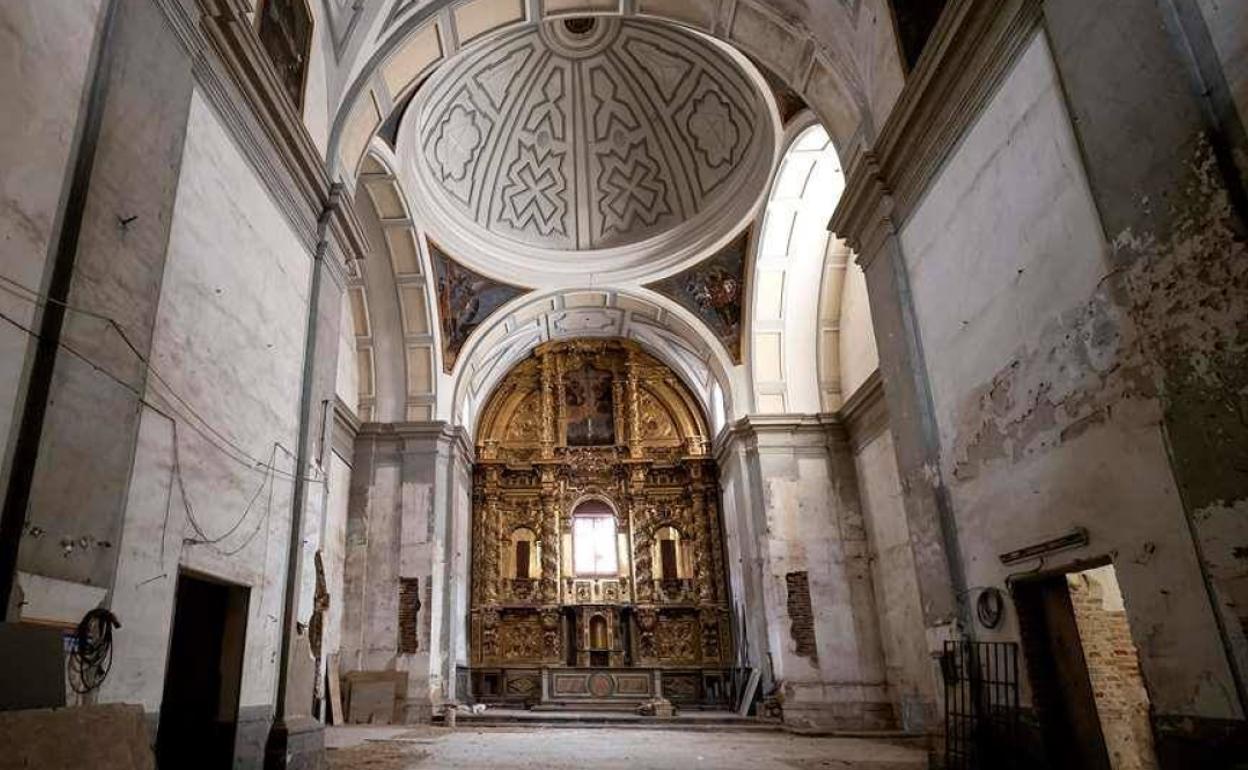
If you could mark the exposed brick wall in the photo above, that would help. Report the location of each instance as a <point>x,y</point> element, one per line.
<point>801,617</point>
<point>1114,667</point>
<point>409,614</point>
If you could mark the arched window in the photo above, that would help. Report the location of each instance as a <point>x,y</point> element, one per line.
<point>286,34</point>
<point>593,539</point>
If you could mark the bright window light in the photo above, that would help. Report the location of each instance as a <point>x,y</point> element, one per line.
<point>593,545</point>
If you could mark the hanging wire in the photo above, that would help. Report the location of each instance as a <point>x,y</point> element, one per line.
<point>92,655</point>
<point>205,428</point>
<point>203,537</point>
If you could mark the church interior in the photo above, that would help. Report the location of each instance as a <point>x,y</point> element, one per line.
<point>624,383</point>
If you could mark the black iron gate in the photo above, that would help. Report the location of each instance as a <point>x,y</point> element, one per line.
<point>981,705</point>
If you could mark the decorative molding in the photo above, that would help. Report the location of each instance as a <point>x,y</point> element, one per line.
<point>345,428</point>
<point>437,435</point>
<point>865,413</point>
<point>970,52</point>
<point>788,433</point>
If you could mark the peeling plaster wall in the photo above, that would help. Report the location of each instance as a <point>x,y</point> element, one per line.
<point>408,518</point>
<point>811,522</point>
<point>1046,410</point>
<point>910,670</point>
<point>44,51</point>
<point>333,549</point>
<point>229,339</point>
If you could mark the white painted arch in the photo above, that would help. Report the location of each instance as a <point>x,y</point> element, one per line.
<point>664,329</point>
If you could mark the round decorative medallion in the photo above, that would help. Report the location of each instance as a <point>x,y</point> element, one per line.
<point>615,146</point>
<point>600,685</point>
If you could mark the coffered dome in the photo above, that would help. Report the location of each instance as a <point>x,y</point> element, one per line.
<point>598,145</point>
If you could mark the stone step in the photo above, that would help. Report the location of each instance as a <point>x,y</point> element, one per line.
<point>603,717</point>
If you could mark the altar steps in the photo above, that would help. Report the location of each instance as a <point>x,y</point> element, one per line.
<point>551,715</point>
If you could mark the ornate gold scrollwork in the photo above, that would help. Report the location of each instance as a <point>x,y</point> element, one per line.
<point>639,446</point>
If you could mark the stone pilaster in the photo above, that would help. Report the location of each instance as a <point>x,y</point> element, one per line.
<point>798,558</point>
<point>409,518</point>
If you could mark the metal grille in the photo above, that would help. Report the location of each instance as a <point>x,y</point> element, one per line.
<point>981,705</point>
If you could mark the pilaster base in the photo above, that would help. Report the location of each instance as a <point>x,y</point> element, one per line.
<point>821,707</point>
<point>295,743</point>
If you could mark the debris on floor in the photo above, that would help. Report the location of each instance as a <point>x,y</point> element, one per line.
<point>657,707</point>
<point>375,755</point>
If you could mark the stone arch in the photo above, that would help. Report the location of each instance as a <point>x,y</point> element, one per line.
<point>397,345</point>
<point>796,279</point>
<point>850,75</point>
<point>662,328</point>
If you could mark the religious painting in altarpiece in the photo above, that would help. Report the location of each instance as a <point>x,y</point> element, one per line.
<point>596,428</point>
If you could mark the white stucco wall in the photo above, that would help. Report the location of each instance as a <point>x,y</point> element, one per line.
<point>316,87</point>
<point>1006,255</point>
<point>347,382</point>
<point>909,668</point>
<point>229,340</point>
<point>44,53</point>
<point>858,354</point>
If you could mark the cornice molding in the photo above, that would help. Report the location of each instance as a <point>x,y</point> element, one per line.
<point>973,47</point>
<point>345,428</point>
<point>865,413</point>
<point>234,74</point>
<point>437,434</point>
<point>782,432</point>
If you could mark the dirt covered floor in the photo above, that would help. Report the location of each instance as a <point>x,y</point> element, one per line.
<point>534,748</point>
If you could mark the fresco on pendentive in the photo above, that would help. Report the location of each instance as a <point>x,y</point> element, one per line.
<point>465,299</point>
<point>714,290</point>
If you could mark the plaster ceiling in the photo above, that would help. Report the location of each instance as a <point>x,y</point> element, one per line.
<point>614,148</point>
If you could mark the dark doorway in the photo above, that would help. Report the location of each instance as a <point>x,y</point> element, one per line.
<point>1061,686</point>
<point>199,709</point>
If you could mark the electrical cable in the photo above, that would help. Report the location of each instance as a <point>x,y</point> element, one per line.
<point>204,538</point>
<point>92,655</point>
<point>232,449</point>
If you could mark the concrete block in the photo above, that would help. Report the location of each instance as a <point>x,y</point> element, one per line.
<point>108,737</point>
<point>32,667</point>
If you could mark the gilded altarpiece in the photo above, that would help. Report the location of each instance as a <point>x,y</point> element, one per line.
<point>596,428</point>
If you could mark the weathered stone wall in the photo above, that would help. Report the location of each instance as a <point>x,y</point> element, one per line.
<point>408,519</point>
<point>73,523</point>
<point>1114,668</point>
<point>804,515</point>
<point>1045,406</point>
<point>909,668</point>
<point>1227,24</point>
